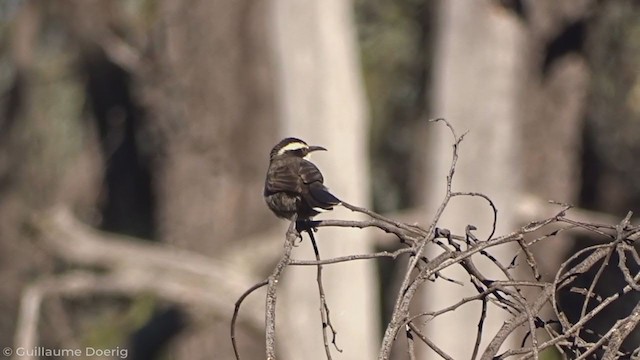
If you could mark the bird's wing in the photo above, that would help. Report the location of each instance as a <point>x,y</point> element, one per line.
<point>318,195</point>
<point>309,173</point>
<point>283,178</point>
<point>292,178</point>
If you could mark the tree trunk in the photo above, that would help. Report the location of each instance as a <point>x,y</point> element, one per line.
<point>478,66</point>
<point>216,113</point>
<point>321,101</point>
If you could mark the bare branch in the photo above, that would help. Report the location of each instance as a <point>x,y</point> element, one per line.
<point>324,308</point>
<point>527,313</point>
<point>236,311</point>
<point>270,308</point>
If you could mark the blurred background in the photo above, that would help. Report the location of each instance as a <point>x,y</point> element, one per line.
<point>134,140</point>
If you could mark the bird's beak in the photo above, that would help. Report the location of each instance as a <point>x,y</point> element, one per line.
<point>316,148</point>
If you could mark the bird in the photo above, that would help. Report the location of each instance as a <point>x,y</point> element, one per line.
<point>294,186</point>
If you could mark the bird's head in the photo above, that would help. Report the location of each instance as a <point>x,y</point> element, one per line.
<point>293,147</point>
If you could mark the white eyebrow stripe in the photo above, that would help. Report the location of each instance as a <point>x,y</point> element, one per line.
<point>292,146</point>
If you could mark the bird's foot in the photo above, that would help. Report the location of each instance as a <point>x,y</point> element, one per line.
<point>306,225</point>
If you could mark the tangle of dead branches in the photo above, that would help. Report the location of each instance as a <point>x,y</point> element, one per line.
<point>538,317</point>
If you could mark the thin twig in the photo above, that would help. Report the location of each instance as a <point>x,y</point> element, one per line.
<point>483,316</point>
<point>428,342</point>
<point>411,350</point>
<point>324,308</point>
<point>236,311</point>
<point>410,228</point>
<point>340,259</point>
<point>409,285</point>
<point>494,209</point>
<point>506,291</point>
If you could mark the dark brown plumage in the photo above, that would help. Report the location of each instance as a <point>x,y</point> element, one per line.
<point>293,184</point>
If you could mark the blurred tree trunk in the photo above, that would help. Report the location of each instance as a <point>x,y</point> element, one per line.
<point>553,109</point>
<point>512,74</point>
<point>185,115</point>
<point>611,160</point>
<point>477,86</point>
<point>322,101</point>
<point>17,183</point>
<point>216,112</point>
<point>218,116</point>
<point>44,158</point>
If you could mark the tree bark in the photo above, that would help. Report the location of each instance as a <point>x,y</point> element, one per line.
<point>217,111</point>
<point>215,114</point>
<point>322,101</point>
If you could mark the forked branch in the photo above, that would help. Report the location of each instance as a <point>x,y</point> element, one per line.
<point>526,314</point>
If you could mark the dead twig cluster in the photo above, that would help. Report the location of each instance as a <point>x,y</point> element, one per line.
<point>525,299</point>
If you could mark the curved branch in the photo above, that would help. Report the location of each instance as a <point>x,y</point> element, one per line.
<point>270,307</point>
